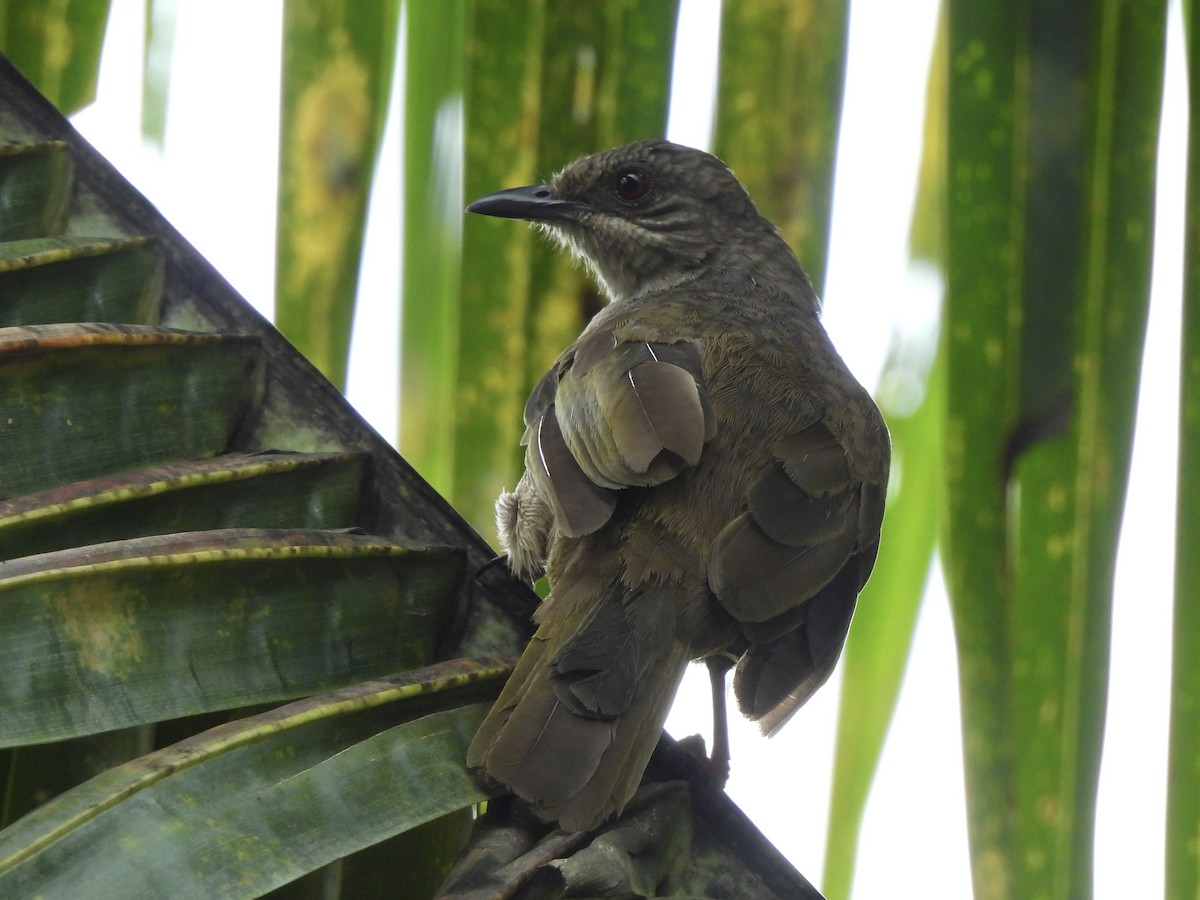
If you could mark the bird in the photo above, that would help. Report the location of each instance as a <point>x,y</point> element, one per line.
<point>704,479</point>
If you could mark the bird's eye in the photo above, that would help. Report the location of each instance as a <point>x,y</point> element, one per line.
<point>633,186</point>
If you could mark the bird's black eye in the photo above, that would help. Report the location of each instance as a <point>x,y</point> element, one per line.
<point>633,186</point>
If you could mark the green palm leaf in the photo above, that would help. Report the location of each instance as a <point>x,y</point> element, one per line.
<point>1183,784</point>
<point>256,803</point>
<point>128,626</point>
<point>57,46</point>
<point>1049,251</point>
<point>156,421</point>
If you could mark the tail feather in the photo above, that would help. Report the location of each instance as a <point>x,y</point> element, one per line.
<point>555,762</point>
<point>497,718</point>
<point>575,765</point>
<point>619,770</point>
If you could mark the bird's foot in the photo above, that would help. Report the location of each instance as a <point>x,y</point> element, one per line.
<point>715,765</point>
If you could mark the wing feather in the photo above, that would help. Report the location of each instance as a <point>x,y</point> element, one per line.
<point>579,505</point>
<point>790,569</point>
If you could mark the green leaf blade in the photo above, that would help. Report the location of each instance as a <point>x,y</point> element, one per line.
<point>77,401</point>
<point>282,793</point>
<point>158,49</point>
<point>1183,775</point>
<point>779,101</point>
<point>35,189</point>
<point>1056,251</point>
<point>236,491</point>
<point>432,310</point>
<point>983,251</point>
<point>63,280</point>
<point>337,74</point>
<point>57,46</point>
<point>139,631</point>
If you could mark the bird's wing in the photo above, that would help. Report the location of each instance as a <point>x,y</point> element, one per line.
<point>614,414</point>
<point>790,569</point>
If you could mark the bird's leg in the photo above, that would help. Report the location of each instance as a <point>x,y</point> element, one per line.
<point>718,759</point>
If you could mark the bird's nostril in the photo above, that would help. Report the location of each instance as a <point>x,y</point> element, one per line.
<point>542,193</point>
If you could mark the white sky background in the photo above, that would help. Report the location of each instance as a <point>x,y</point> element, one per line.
<point>222,157</point>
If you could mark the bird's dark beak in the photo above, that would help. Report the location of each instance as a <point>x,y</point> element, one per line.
<point>536,202</point>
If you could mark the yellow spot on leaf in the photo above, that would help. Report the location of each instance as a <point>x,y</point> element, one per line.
<point>1056,547</point>
<point>1049,810</point>
<point>993,351</point>
<point>1048,712</point>
<point>1035,859</point>
<point>331,127</point>
<point>1056,498</point>
<point>102,627</point>
<point>58,46</point>
<point>992,879</point>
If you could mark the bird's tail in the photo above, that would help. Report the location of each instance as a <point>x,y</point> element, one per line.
<point>575,726</point>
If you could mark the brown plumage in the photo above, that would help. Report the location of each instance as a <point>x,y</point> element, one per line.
<point>703,476</point>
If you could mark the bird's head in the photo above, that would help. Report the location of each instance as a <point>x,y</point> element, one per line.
<point>645,216</point>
